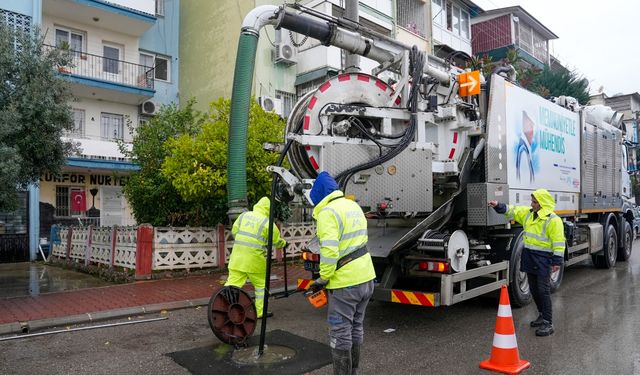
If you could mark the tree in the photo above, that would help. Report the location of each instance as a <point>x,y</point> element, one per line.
<point>152,197</point>
<point>568,83</point>
<point>34,112</point>
<point>197,166</point>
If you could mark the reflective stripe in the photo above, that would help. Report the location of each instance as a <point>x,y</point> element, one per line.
<point>249,244</point>
<point>558,244</point>
<point>349,250</point>
<point>540,248</point>
<point>338,219</point>
<point>327,243</point>
<point>527,217</point>
<point>504,341</point>
<point>264,222</point>
<point>252,235</point>
<point>559,253</point>
<point>326,260</point>
<point>504,311</point>
<point>537,237</point>
<point>357,233</point>
<point>544,226</point>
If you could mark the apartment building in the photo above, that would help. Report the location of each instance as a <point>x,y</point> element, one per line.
<point>125,66</point>
<point>497,30</point>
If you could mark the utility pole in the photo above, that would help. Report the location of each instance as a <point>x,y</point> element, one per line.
<point>352,61</point>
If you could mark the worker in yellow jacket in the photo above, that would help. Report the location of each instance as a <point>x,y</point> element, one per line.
<point>346,270</point>
<point>248,255</point>
<point>543,253</point>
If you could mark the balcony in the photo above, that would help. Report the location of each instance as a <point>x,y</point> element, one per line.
<point>102,14</point>
<point>100,77</point>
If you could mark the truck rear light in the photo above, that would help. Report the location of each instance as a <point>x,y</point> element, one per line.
<point>441,267</point>
<point>310,256</point>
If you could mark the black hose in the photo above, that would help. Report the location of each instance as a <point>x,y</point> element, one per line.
<point>416,66</point>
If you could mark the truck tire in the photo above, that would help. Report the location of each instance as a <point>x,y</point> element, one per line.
<point>624,253</point>
<point>607,257</point>
<point>556,279</point>
<point>519,292</point>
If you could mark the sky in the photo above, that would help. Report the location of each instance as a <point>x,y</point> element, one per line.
<point>598,39</point>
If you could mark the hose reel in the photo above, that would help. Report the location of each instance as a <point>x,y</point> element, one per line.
<point>451,246</point>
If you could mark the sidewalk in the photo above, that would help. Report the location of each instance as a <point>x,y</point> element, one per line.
<point>23,314</point>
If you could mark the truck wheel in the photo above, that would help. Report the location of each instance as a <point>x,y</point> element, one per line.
<point>519,292</point>
<point>624,253</point>
<point>607,257</point>
<point>556,279</point>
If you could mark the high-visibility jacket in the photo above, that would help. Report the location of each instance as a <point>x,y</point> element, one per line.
<point>342,229</point>
<point>250,232</point>
<point>543,230</point>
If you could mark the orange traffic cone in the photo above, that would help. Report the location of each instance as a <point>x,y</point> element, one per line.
<point>505,357</point>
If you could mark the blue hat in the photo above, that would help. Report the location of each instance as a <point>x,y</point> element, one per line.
<point>323,186</point>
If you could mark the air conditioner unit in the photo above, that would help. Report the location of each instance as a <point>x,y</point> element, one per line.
<point>271,104</point>
<point>286,52</point>
<point>149,108</point>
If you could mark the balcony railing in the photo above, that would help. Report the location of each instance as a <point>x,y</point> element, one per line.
<point>106,69</point>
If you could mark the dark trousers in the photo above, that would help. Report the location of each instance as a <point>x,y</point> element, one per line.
<point>541,291</point>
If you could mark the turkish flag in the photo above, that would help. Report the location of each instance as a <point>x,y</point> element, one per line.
<point>78,201</point>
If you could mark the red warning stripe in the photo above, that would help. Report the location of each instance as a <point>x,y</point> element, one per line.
<point>307,120</point>
<point>455,137</point>
<point>307,147</point>
<point>312,102</point>
<point>413,298</point>
<point>401,297</point>
<point>453,151</point>
<point>304,283</point>
<point>344,77</point>
<point>325,87</point>
<point>362,77</point>
<point>314,163</point>
<point>381,85</point>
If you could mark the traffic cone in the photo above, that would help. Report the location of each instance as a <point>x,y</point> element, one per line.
<point>505,357</point>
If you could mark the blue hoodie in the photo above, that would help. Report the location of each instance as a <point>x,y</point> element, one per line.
<point>323,186</point>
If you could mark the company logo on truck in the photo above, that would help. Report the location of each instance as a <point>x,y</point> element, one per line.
<point>543,141</point>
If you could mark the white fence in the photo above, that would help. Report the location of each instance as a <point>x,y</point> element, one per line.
<point>172,248</point>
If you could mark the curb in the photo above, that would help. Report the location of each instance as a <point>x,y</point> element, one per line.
<point>35,325</point>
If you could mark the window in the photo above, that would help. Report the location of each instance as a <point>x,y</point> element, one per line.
<point>159,7</point>
<point>63,200</point>
<point>162,68</point>
<point>464,24</point>
<point>73,40</point>
<point>111,59</point>
<point>437,12</point>
<point>78,122</point>
<point>411,16</point>
<point>288,101</point>
<point>449,20</point>
<point>111,126</point>
<point>160,64</point>
<point>456,20</point>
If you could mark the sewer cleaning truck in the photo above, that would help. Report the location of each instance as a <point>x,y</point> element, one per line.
<point>423,155</point>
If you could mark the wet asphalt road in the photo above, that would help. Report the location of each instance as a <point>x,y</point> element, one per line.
<point>596,315</point>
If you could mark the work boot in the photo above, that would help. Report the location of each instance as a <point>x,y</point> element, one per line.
<point>538,322</point>
<point>341,361</point>
<point>355,358</point>
<point>545,330</point>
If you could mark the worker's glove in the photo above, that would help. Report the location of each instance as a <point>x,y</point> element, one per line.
<point>318,284</point>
